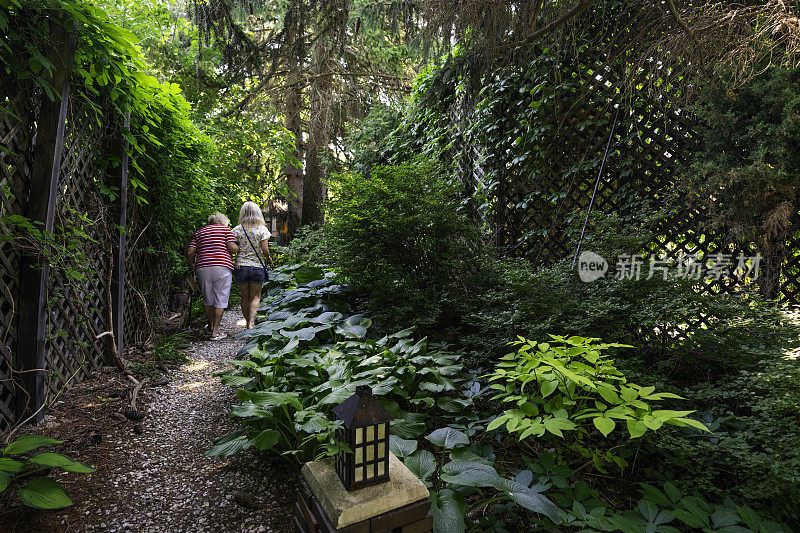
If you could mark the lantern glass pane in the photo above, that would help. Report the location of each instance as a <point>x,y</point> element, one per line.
<point>359,435</point>
<point>359,474</point>
<point>382,431</point>
<point>370,453</point>
<point>359,455</point>
<point>370,471</point>
<point>381,450</point>
<point>370,433</point>
<point>381,468</point>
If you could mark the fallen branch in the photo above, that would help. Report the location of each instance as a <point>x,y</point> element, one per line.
<point>131,411</point>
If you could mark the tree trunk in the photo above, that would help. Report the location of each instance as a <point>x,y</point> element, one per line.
<point>321,100</point>
<point>294,171</point>
<point>293,104</point>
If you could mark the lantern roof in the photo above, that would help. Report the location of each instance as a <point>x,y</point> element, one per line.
<point>361,409</point>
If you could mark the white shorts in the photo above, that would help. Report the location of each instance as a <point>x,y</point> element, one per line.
<point>215,281</point>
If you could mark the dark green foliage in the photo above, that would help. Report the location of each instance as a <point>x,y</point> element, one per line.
<point>754,451</point>
<point>747,174</point>
<point>749,165</point>
<point>307,246</point>
<point>171,349</point>
<point>662,319</point>
<point>367,144</point>
<point>664,509</point>
<point>396,234</point>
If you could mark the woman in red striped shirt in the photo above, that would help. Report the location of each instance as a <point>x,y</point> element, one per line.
<point>209,255</point>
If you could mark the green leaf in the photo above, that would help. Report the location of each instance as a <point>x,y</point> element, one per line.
<point>401,447</point>
<point>555,425</point>
<point>452,405</point>
<point>44,493</point>
<point>448,510</point>
<point>227,448</point>
<point>604,425</point>
<point>548,388</point>
<point>636,428</point>
<point>422,464</point>
<point>266,439</point>
<point>652,422</point>
<point>235,381</point>
<point>5,479</point>
<point>530,498</point>
<point>337,396</point>
<point>60,461</point>
<point>448,438</point>
<point>28,443</point>
<point>470,474</point>
<point>608,394</point>
<point>11,465</point>
<point>270,399</point>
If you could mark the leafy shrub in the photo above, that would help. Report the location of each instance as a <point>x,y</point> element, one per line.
<point>307,246</point>
<point>307,356</point>
<point>754,451</point>
<point>171,349</point>
<point>666,509</point>
<point>466,480</point>
<point>396,234</point>
<point>669,324</point>
<point>746,173</point>
<point>570,381</point>
<point>16,464</point>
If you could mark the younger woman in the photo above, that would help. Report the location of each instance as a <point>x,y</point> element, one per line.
<point>252,236</point>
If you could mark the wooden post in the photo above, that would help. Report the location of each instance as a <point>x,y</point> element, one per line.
<point>119,212</point>
<point>41,202</point>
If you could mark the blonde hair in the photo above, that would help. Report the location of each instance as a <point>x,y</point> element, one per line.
<point>250,216</point>
<point>218,218</point>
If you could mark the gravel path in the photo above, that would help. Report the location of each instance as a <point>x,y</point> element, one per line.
<point>158,480</point>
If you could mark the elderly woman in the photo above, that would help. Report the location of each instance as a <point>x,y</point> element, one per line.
<point>209,254</point>
<point>252,236</point>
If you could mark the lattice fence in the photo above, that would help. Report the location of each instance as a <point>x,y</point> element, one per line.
<point>17,116</point>
<point>650,140</point>
<point>76,308</point>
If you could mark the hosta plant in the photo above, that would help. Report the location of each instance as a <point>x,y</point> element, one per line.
<point>464,481</point>
<point>306,356</point>
<point>568,387</point>
<point>21,467</point>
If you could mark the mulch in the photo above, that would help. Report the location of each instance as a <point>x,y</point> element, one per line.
<point>151,474</point>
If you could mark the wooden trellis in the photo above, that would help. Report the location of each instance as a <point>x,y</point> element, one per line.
<point>651,139</point>
<point>52,164</point>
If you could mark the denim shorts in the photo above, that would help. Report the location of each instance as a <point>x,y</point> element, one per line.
<point>248,274</point>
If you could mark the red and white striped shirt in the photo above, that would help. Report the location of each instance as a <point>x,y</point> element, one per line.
<point>211,243</point>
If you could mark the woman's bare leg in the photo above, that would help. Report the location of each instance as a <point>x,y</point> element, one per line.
<point>244,289</point>
<point>209,316</point>
<point>218,312</point>
<point>254,301</point>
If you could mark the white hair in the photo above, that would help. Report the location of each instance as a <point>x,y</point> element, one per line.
<point>218,218</point>
<point>250,216</point>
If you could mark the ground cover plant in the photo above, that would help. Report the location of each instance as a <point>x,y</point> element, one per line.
<point>18,463</point>
<point>479,441</point>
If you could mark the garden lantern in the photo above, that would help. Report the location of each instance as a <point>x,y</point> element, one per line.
<point>366,432</point>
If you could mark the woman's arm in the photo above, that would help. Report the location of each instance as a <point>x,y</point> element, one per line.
<point>265,249</point>
<point>233,247</point>
<point>191,252</point>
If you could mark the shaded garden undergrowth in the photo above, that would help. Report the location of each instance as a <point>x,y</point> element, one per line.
<point>578,446</point>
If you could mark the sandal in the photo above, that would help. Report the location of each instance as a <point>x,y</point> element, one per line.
<point>219,336</point>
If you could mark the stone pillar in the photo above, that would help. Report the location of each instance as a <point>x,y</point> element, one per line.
<point>400,505</point>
